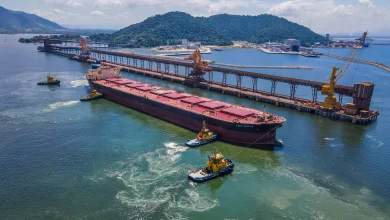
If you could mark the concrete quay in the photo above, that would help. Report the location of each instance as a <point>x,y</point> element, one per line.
<point>278,100</point>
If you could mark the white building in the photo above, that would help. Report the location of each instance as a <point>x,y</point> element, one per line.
<point>190,45</point>
<point>272,46</point>
<point>184,42</point>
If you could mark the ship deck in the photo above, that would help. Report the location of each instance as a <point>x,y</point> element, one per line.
<point>188,102</point>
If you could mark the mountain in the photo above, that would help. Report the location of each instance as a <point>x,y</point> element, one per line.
<point>217,30</point>
<point>21,22</point>
<point>172,27</point>
<point>261,28</point>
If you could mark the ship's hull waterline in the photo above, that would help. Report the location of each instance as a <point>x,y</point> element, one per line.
<point>262,136</point>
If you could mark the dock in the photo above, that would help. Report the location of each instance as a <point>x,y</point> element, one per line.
<point>278,100</point>
<point>211,62</point>
<point>265,67</point>
<point>184,53</point>
<point>161,68</point>
<point>265,50</point>
<point>379,65</point>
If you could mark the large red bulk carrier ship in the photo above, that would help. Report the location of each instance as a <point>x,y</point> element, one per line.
<point>234,124</point>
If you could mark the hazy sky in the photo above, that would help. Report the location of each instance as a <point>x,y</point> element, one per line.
<point>322,16</point>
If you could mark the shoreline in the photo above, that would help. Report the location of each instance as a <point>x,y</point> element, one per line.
<point>272,52</point>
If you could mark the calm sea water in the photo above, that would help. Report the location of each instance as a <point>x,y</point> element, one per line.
<point>63,159</point>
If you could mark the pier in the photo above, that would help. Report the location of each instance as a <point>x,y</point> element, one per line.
<point>265,67</point>
<point>159,67</point>
<point>241,66</point>
<point>379,65</point>
<point>275,99</point>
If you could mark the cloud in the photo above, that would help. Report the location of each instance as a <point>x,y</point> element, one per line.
<point>329,16</point>
<point>368,3</point>
<point>209,6</point>
<point>341,10</point>
<point>72,3</point>
<point>298,7</point>
<point>122,15</point>
<point>227,5</point>
<point>110,3</point>
<point>97,13</point>
<point>323,16</point>
<point>54,14</point>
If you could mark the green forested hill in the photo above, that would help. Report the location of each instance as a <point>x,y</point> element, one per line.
<point>171,27</point>
<point>260,28</point>
<point>17,21</point>
<point>216,30</point>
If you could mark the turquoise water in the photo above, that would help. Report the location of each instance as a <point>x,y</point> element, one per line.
<point>63,159</point>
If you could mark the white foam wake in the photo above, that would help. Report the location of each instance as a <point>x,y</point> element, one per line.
<point>77,83</point>
<point>375,142</point>
<point>157,183</point>
<point>58,105</point>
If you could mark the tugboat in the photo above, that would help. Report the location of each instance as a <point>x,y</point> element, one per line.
<point>217,166</point>
<point>50,81</point>
<point>205,136</point>
<point>92,95</point>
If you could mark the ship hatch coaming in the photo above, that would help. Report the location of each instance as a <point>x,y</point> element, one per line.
<point>234,124</point>
<point>199,105</point>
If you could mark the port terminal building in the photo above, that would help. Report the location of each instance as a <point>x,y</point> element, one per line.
<point>289,45</point>
<point>185,44</point>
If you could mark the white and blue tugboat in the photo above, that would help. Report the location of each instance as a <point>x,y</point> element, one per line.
<point>205,136</point>
<point>217,166</point>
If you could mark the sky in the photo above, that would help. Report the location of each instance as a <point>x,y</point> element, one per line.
<point>322,16</point>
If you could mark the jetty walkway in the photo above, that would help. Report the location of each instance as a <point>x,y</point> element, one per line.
<point>265,67</point>
<point>278,100</point>
<point>379,65</point>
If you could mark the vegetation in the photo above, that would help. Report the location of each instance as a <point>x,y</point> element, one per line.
<point>39,38</point>
<point>100,37</point>
<point>170,27</point>
<point>215,30</point>
<point>20,22</point>
<point>17,21</point>
<point>261,28</point>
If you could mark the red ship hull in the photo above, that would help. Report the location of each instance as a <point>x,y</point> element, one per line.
<point>257,136</point>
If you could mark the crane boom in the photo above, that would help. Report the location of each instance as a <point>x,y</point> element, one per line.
<point>328,88</point>
<point>347,64</point>
<point>351,57</point>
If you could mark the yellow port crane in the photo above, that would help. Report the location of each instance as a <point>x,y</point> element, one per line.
<point>329,88</point>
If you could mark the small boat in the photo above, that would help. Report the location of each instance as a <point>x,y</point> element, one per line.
<point>205,136</point>
<point>216,166</point>
<point>50,81</point>
<point>92,95</point>
<point>217,49</point>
